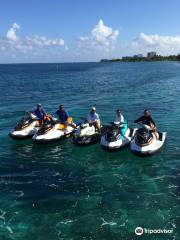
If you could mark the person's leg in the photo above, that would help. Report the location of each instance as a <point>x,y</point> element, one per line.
<point>157,135</point>
<point>154,130</point>
<point>41,122</point>
<point>65,124</point>
<point>97,124</point>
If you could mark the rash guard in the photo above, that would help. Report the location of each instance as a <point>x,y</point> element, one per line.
<point>40,113</point>
<point>147,120</point>
<point>63,116</point>
<point>93,117</point>
<point>119,118</point>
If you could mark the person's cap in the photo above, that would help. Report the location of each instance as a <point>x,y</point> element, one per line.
<point>61,106</point>
<point>93,109</point>
<point>39,105</point>
<point>146,111</point>
<point>118,111</point>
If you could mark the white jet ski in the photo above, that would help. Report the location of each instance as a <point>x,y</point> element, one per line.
<point>86,134</point>
<point>26,128</point>
<point>116,137</point>
<point>145,142</point>
<point>53,130</point>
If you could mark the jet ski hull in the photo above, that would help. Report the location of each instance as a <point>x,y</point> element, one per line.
<point>110,147</point>
<point>52,135</point>
<point>120,143</point>
<point>19,135</point>
<point>154,147</point>
<point>86,140</point>
<point>26,128</point>
<point>24,133</point>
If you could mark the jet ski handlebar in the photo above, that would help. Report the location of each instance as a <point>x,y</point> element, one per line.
<point>118,125</point>
<point>148,128</point>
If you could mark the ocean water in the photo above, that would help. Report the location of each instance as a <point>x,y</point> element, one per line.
<point>63,192</point>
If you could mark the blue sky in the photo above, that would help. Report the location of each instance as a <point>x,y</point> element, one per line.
<point>69,30</point>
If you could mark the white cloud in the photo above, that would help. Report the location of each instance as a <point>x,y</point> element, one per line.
<point>83,38</point>
<point>103,34</point>
<point>161,44</point>
<point>42,41</point>
<point>101,37</point>
<point>13,43</point>
<point>12,32</point>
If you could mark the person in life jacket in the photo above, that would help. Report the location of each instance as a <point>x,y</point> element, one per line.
<point>93,118</point>
<point>62,115</point>
<point>146,119</point>
<point>39,112</point>
<point>119,119</point>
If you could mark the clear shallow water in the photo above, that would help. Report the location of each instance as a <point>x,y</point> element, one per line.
<point>60,191</point>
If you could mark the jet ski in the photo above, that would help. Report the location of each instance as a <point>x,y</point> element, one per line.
<point>53,130</point>
<point>116,137</point>
<point>86,134</point>
<point>26,128</point>
<point>145,142</point>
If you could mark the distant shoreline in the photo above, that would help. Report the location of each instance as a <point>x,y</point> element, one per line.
<point>144,59</point>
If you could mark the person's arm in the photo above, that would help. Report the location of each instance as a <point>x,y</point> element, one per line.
<point>152,121</point>
<point>66,116</point>
<point>139,120</point>
<point>34,111</point>
<point>56,114</point>
<point>96,117</point>
<point>37,113</point>
<point>44,112</point>
<point>99,121</point>
<point>122,118</point>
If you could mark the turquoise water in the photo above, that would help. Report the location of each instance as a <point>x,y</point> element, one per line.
<point>61,191</point>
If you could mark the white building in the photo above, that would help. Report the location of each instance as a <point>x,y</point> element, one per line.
<point>151,54</point>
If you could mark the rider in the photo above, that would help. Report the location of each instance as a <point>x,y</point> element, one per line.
<point>93,118</point>
<point>146,119</point>
<point>39,112</point>
<point>62,115</point>
<point>119,117</point>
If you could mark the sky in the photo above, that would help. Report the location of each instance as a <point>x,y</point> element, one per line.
<point>86,30</point>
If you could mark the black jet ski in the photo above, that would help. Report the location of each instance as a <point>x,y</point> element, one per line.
<point>145,142</point>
